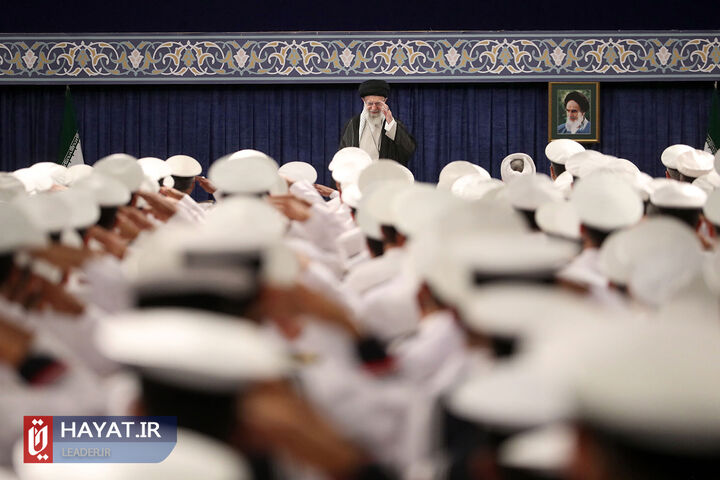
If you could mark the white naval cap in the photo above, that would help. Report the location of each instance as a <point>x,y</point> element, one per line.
<point>155,168</point>
<point>695,163</point>
<point>560,219</point>
<point>34,180</point>
<point>606,202</point>
<point>368,224</point>
<point>564,183</point>
<point>419,205</point>
<point>708,182</point>
<point>194,456</point>
<point>711,209</point>
<point>10,187</point>
<point>546,450</point>
<point>459,168</point>
<point>354,157</point>
<point>84,210</point>
<point>192,348</point>
<point>476,186</point>
<point>378,200</point>
<point>57,173</point>
<point>558,151</point>
<point>656,387</point>
<point>251,219</point>
<point>184,166</point>
<point>247,173</point>
<point>650,240</point>
<point>486,215</point>
<point>77,172</point>
<point>670,154</point>
<point>508,174</point>
<point>50,213</point>
<point>512,254</point>
<point>521,310</point>
<point>122,167</point>
<point>676,194</point>
<point>108,191</point>
<point>351,194</point>
<point>296,171</point>
<point>18,230</point>
<point>347,164</point>
<point>584,162</point>
<point>528,192</point>
<point>383,170</point>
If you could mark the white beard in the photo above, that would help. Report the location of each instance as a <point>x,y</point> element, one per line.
<point>572,127</point>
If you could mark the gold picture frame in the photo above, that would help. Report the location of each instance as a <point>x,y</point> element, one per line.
<point>568,99</point>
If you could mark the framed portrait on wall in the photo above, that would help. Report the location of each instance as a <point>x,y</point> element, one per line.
<point>573,111</point>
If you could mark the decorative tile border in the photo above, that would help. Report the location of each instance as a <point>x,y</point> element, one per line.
<point>351,57</point>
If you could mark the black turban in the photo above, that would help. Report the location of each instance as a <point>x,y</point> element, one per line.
<point>374,87</point>
<point>580,99</point>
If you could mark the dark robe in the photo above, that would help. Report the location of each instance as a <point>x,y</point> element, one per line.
<point>400,149</point>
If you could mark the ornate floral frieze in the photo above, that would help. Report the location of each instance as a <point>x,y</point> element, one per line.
<point>350,57</point>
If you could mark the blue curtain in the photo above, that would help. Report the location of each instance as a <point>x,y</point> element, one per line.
<point>478,122</point>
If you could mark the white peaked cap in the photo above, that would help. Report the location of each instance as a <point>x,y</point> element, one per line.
<point>367,224</point>
<point>520,309</point>
<point>418,207</point>
<point>10,187</point>
<point>122,167</point>
<point>184,166</point>
<point>379,199</point>
<point>192,348</point>
<point>481,216</point>
<point>613,165</point>
<point>475,186</point>
<point>251,219</point>
<point>18,230</point>
<point>383,170</point>
<point>670,155</point>
<point>678,195</point>
<point>649,240</point>
<point>708,182</point>
<point>528,192</point>
<point>711,209</point>
<point>34,180</point>
<point>584,162</point>
<point>347,164</point>
<point>559,218</point>
<point>509,398</point>
<point>607,202</point>
<point>194,456</point>
<point>558,151</point>
<point>508,174</point>
<point>108,191</point>
<point>351,195</point>
<point>656,386</point>
<point>58,173</point>
<point>149,185</point>
<point>245,174</point>
<point>655,184</point>
<point>296,171</point>
<point>77,172</point>
<point>655,281</point>
<point>350,157</point>
<point>48,212</point>
<point>155,168</point>
<point>547,449</point>
<point>84,210</point>
<point>695,163</point>
<point>459,168</point>
<point>512,253</point>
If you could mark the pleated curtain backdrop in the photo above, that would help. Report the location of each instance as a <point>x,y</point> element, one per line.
<point>481,123</point>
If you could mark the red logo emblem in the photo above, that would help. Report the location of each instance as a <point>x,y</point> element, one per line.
<point>37,439</point>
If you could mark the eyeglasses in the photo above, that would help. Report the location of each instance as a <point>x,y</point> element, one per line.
<point>374,104</point>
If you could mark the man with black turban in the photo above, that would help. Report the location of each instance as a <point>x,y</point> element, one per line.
<point>375,130</point>
<point>576,107</point>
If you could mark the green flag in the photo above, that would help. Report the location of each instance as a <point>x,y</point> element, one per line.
<point>712,141</point>
<point>70,152</point>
